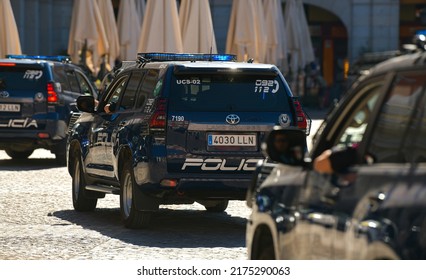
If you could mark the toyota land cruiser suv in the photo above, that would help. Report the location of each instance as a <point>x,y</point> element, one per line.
<point>37,95</point>
<point>184,128</point>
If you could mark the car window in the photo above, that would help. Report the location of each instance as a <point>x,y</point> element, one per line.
<point>225,92</point>
<point>72,79</point>
<point>415,147</point>
<point>116,91</point>
<point>129,96</point>
<point>84,84</point>
<point>352,131</point>
<point>22,77</point>
<point>61,77</point>
<point>150,87</point>
<point>393,121</point>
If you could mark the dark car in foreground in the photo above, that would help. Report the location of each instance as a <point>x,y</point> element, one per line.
<point>177,129</point>
<point>37,96</point>
<point>373,209</point>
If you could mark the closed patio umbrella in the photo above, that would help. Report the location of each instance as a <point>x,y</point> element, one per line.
<point>128,29</point>
<point>160,28</point>
<point>197,27</point>
<point>307,48</point>
<point>140,9</point>
<point>276,46</point>
<point>108,19</point>
<point>299,40</point>
<point>87,31</point>
<point>9,37</point>
<point>246,33</point>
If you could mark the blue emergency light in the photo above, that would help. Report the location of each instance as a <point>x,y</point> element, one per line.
<point>60,58</point>
<point>421,32</point>
<point>185,57</point>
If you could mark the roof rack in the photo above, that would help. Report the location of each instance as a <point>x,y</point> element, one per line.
<point>150,57</point>
<point>59,58</point>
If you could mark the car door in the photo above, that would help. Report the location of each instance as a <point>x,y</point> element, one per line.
<point>327,199</point>
<point>389,216</point>
<point>119,125</point>
<point>98,162</point>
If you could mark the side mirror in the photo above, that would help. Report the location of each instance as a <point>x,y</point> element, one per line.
<point>86,103</point>
<point>286,145</point>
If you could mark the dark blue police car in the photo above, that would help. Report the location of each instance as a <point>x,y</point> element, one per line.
<point>175,129</point>
<point>37,96</point>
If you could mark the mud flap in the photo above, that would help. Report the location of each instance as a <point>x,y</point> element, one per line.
<point>144,202</point>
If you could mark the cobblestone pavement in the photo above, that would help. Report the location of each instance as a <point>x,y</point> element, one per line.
<point>37,221</point>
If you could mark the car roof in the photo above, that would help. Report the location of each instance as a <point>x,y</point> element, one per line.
<point>417,59</point>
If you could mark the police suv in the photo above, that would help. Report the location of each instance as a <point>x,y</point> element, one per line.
<point>37,95</point>
<point>179,128</point>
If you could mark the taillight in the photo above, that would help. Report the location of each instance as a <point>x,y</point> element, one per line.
<point>303,121</point>
<point>158,119</point>
<point>7,64</point>
<point>52,96</point>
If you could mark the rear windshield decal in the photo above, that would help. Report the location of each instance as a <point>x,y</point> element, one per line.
<point>266,86</point>
<point>33,74</point>
<point>188,82</point>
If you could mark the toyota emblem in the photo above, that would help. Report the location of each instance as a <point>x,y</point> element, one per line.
<point>232,119</point>
<point>4,94</point>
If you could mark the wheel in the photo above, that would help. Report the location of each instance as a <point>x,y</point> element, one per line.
<point>131,216</point>
<point>267,253</point>
<point>79,200</point>
<point>19,154</point>
<point>216,206</point>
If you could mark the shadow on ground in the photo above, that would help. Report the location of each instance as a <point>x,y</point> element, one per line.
<point>169,228</point>
<point>28,164</point>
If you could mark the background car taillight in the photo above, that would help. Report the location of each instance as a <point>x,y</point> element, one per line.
<point>52,96</point>
<point>303,120</point>
<point>158,119</point>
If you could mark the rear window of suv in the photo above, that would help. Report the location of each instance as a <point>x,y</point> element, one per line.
<point>228,92</point>
<point>22,78</point>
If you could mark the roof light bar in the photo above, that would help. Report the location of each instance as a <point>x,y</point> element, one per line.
<point>185,57</point>
<point>60,58</point>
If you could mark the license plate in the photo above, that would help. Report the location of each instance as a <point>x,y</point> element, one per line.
<point>10,107</point>
<point>242,140</point>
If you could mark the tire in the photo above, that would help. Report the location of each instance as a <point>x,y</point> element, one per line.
<point>19,154</point>
<point>132,217</point>
<point>218,207</point>
<point>267,253</point>
<point>79,200</point>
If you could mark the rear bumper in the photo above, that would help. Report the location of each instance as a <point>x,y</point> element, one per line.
<point>29,138</point>
<point>200,187</point>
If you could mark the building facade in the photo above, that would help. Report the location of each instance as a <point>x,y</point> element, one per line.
<point>340,29</point>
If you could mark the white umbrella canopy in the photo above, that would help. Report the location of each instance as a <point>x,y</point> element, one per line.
<point>299,39</point>
<point>9,37</point>
<point>307,48</point>
<point>128,29</point>
<point>140,9</point>
<point>160,28</point>
<point>87,28</point>
<point>276,47</point>
<point>108,19</point>
<point>246,33</point>
<point>197,27</point>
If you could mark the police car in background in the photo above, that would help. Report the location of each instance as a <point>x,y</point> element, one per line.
<point>186,128</point>
<point>37,94</point>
